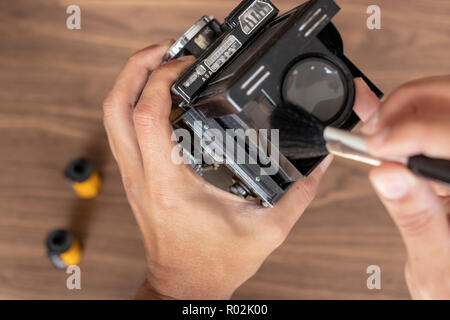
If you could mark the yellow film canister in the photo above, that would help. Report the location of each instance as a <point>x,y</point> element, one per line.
<point>63,249</point>
<point>85,180</point>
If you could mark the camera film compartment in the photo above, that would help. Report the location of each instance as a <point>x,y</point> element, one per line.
<point>244,177</point>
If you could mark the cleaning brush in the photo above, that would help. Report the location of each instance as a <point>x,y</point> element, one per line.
<point>303,136</point>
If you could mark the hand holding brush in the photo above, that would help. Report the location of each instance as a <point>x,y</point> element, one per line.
<point>409,132</point>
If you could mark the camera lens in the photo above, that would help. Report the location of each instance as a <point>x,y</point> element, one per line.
<point>317,86</point>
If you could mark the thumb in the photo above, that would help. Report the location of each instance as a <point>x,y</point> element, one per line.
<point>292,205</point>
<point>415,208</point>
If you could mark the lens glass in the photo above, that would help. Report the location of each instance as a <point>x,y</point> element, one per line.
<point>317,86</point>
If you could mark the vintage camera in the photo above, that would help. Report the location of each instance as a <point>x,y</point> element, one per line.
<point>247,67</point>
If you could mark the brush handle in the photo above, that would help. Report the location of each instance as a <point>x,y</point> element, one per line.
<point>435,169</point>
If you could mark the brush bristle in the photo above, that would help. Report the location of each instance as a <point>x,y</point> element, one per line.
<point>301,134</point>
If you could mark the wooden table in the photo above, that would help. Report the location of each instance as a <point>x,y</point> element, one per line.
<point>52,83</point>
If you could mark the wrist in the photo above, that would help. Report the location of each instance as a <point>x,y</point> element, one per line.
<point>147,292</point>
<point>187,288</point>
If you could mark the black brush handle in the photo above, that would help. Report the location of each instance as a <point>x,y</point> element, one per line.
<point>435,169</point>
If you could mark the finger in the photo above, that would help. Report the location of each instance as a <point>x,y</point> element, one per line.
<point>291,207</point>
<point>413,136</point>
<point>151,117</point>
<point>441,190</point>
<point>416,210</point>
<point>366,102</point>
<point>118,106</point>
<point>427,96</point>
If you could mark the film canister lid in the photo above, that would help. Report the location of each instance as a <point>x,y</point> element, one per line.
<point>63,248</point>
<point>79,170</point>
<point>59,241</point>
<point>84,178</point>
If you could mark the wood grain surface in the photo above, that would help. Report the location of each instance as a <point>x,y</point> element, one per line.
<point>52,84</point>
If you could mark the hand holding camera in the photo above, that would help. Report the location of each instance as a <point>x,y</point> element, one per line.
<point>201,242</point>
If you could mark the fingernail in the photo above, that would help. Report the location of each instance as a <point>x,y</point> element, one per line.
<point>371,125</point>
<point>325,164</point>
<point>392,185</point>
<point>379,138</point>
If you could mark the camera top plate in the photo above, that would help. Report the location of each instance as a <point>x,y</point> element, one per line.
<point>239,29</point>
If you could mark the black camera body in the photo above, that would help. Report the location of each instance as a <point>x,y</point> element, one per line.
<point>253,63</point>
